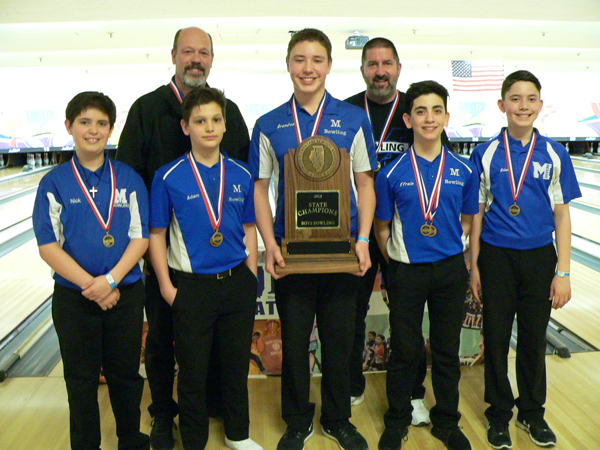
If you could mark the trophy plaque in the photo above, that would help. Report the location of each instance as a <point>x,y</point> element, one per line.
<point>317,210</point>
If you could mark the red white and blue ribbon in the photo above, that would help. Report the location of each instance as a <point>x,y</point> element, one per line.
<point>178,93</point>
<point>216,222</point>
<point>428,205</point>
<point>516,188</point>
<point>113,187</point>
<point>387,122</point>
<point>317,122</point>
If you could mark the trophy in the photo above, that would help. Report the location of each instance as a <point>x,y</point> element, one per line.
<point>317,210</point>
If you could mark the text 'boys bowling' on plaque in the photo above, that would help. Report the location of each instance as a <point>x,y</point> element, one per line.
<point>317,210</point>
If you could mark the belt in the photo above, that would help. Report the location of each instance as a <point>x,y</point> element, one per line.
<point>212,276</point>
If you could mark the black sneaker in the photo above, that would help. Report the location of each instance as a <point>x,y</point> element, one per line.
<point>498,436</point>
<point>392,438</point>
<point>347,437</point>
<point>454,438</point>
<point>161,436</point>
<point>294,439</point>
<point>539,432</point>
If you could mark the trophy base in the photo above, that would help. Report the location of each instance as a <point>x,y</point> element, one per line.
<point>318,256</point>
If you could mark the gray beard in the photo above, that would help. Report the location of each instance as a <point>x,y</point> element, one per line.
<point>381,93</point>
<point>194,82</point>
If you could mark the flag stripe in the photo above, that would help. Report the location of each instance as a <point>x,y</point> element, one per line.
<point>475,76</point>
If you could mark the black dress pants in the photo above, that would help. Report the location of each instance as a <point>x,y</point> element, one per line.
<point>213,315</point>
<point>91,338</point>
<point>515,282</point>
<point>332,298</point>
<point>443,286</point>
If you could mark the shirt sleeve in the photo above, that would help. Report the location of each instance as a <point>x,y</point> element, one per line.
<point>46,214</point>
<point>249,215</point>
<point>479,174</point>
<point>131,148</point>
<point>364,152</point>
<point>567,188</point>
<point>385,199</point>
<point>260,161</point>
<point>139,209</point>
<point>160,202</point>
<point>470,204</point>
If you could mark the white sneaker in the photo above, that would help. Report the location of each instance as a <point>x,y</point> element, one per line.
<point>246,444</point>
<point>357,400</point>
<point>420,414</point>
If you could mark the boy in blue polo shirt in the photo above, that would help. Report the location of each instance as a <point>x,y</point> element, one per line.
<point>91,223</point>
<point>526,184</point>
<point>426,200</point>
<point>206,199</point>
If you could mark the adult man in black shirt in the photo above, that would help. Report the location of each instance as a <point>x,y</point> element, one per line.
<point>151,138</point>
<point>385,106</point>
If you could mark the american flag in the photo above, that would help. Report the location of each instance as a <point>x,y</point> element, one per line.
<point>477,76</point>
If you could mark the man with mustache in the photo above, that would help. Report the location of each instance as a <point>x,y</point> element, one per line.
<point>385,106</point>
<point>151,138</point>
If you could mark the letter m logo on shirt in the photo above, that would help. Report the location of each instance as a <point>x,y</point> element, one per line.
<point>543,170</point>
<point>237,188</point>
<point>121,196</point>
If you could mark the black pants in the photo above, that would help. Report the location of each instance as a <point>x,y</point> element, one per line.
<point>160,355</point>
<point>332,298</point>
<point>443,286</point>
<point>357,379</point>
<point>90,338</point>
<point>516,282</point>
<point>213,314</point>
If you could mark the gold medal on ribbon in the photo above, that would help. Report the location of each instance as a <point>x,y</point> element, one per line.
<point>426,229</point>
<point>108,240</point>
<point>432,230</point>
<point>216,239</point>
<point>514,210</point>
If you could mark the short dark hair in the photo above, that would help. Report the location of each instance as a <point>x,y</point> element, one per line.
<point>202,96</point>
<point>379,42</point>
<point>381,336</point>
<point>91,99</point>
<point>312,35</point>
<point>372,332</point>
<point>176,40</point>
<point>423,88</point>
<point>519,75</point>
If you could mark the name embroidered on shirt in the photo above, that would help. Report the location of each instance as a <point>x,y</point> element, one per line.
<point>503,170</point>
<point>191,197</point>
<point>406,183</point>
<point>285,125</point>
<point>75,200</point>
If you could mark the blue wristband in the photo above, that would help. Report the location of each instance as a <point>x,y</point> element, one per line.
<point>111,280</point>
<point>364,239</point>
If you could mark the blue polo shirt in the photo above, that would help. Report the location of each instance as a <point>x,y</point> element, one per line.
<point>62,214</point>
<point>274,134</point>
<point>398,201</point>
<point>177,203</point>
<point>550,180</point>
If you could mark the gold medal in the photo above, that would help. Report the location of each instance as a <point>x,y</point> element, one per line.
<point>108,240</point>
<point>514,210</point>
<point>216,239</point>
<point>432,230</point>
<point>426,230</point>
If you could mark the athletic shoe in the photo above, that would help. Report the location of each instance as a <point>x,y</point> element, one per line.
<point>357,400</point>
<point>294,439</point>
<point>392,438</point>
<point>161,436</point>
<point>454,438</point>
<point>498,436</point>
<point>539,432</point>
<point>246,444</point>
<point>347,437</point>
<point>420,414</point>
